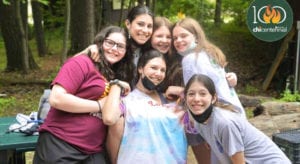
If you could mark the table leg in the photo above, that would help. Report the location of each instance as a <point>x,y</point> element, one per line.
<point>12,157</point>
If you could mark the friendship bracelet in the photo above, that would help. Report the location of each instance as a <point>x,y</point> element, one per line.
<point>99,106</point>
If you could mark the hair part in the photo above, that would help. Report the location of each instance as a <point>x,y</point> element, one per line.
<point>139,10</point>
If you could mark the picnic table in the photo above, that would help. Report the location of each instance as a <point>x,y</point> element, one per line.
<point>14,145</point>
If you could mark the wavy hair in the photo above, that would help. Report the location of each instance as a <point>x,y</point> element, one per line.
<point>123,69</point>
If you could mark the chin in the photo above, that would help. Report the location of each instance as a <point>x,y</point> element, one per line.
<point>141,41</point>
<point>197,111</point>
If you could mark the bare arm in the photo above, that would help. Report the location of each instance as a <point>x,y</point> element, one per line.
<point>113,141</point>
<point>111,109</point>
<point>94,52</point>
<point>238,158</point>
<point>174,92</point>
<point>61,100</point>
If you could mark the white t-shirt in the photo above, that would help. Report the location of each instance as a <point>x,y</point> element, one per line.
<point>201,63</point>
<point>152,134</point>
<point>227,133</point>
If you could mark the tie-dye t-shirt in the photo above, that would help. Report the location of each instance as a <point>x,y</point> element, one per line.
<point>152,134</point>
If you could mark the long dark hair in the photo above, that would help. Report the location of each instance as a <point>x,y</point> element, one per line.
<point>132,14</point>
<point>210,86</point>
<point>203,79</point>
<point>123,69</point>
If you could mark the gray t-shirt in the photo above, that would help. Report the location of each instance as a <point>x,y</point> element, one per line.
<point>227,133</point>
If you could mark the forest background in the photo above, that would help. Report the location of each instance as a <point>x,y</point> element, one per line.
<point>34,42</point>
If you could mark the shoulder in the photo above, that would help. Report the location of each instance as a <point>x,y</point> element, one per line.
<point>82,61</point>
<point>225,118</point>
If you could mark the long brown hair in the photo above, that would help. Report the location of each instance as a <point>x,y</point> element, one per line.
<point>195,28</point>
<point>123,69</point>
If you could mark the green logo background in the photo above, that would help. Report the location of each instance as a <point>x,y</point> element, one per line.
<point>280,16</point>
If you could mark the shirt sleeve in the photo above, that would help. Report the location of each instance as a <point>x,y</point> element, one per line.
<point>231,137</point>
<point>71,75</point>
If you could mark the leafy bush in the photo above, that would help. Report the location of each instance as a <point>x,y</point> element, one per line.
<point>6,103</point>
<point>251,90</point>
<point>288,96</point>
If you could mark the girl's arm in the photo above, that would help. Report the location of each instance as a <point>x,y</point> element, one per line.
<point>61,100</point>
<point>94,52</point>
<point>238,158</point>
<point>113,141</point>
<point>174,92</point>
<point>111,111</point>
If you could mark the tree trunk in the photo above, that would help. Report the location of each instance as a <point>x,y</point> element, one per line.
<point>99,15</point>
<point>39,32</point>
<point>121,13</point>
<point>13,35</point>
<point>67,31</point>
<point>82,24</point>
<point>24,16</point>
<point>218,20</point>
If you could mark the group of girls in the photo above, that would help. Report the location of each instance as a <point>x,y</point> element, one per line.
<point>116,101</point>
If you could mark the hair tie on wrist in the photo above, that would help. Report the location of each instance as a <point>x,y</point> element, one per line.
<point>99,106</point>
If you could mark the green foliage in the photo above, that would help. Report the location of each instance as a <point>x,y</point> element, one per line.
<point>251,90</point>
<point>6,104</point>
<point>2,55</point>
<point>249,113</point>
<point>200,10</point>
<point>237,10</point>
<point>288,96</point>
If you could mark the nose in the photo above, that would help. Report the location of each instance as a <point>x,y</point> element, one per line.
<point>164,39</point>
<point>197,97</point>
<point>114,47</point>
<point>160,73</point>
<point>145,29</point>
<point>179,39</point>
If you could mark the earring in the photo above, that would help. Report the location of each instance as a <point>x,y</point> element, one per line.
<point>129,35</point>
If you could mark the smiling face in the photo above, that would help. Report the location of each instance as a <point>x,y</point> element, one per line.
<point>182,39</point>
<point>155,70</point>
<point>140,29</point>
<point>198,98</point>
<point>161,39</point>
<point>114,47</point>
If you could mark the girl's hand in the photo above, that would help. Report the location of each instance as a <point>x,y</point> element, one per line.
<point>94,52</point>
<point>126,88</point>
<point>231,79</point>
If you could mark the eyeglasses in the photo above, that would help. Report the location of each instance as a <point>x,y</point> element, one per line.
<point>110,44</point>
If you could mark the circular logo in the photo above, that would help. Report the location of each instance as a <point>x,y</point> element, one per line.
<point>269,20</point>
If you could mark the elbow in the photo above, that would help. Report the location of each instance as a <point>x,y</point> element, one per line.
<point>54,101</point>
<point>109,120</point>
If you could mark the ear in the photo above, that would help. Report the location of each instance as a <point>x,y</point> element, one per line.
<point>214,99</point>
<point>140,70</point>
<point>127,24</point>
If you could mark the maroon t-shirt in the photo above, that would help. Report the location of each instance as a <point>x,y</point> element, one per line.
<point>79,77</point>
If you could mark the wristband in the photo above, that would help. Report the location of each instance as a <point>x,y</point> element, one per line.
<point>99,106</point>
<point>117,82</point>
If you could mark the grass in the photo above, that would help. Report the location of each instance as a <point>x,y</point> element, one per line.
<point>24,98</point>
<point>23,91</point>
